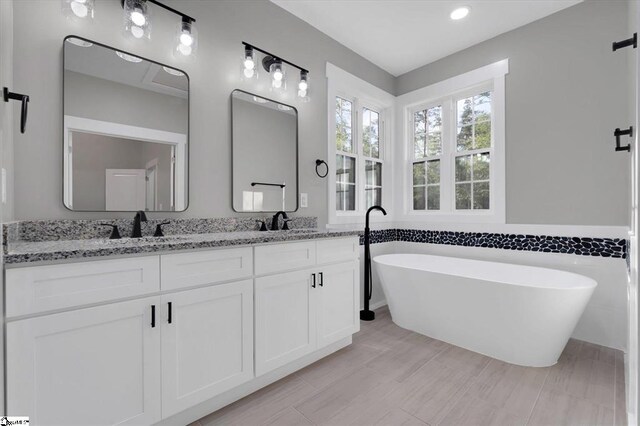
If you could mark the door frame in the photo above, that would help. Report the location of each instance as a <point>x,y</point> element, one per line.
<point>106,128</point>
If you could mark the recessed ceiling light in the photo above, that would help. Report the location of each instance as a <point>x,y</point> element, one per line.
<point>173,72</point>
<point>128,57</point>
<point>459,13</point>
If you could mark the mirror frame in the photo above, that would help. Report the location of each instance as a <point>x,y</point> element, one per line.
<point>188,147</point>
<point>297,153</point>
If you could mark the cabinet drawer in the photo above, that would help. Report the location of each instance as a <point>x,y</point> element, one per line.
<point>205,267</point>
<point>285,257</point>
<point>338,250</point>
<point>43,288</point>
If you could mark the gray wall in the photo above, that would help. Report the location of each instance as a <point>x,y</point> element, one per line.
<point>40,28</point>
<point>264,150</point>
<point>99,99</point>
<point>93,154</point>
<point>566,93</point>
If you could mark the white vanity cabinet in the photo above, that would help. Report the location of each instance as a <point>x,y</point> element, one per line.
<point>301,311</point>
<point>185,329</point>
<point>93,366</point>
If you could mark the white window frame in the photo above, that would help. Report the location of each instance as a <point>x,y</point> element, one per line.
<point>445,93</point>
<point>363,95</point>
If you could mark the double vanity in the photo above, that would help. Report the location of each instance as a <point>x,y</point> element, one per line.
<point>166,330</point>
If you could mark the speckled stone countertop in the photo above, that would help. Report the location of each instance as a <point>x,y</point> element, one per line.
<point>21,252</point>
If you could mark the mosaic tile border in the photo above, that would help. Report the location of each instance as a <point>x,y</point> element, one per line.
<point>582,246</point>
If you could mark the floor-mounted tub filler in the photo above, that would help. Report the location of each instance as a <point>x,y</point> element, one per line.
<point>523,315</point>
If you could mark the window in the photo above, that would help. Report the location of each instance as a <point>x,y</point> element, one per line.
<point>451,144</point>
<point>359,161</point>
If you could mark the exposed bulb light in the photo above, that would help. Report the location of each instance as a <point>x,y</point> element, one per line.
<point>459,13</point>
<point>173,71</point>
<point>186,40</point>
<point>249,63</point>
<point>80,9</point>
<point>303,85</point>
<point>277,74</point>
<point>128,58</point>
<point>137,19</point>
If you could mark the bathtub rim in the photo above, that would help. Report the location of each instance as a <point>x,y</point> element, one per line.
<point>586,282</point>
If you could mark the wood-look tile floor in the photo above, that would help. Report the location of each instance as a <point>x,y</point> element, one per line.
<point>392,376</point>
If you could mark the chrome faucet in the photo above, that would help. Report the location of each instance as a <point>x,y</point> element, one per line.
<point>140,217</point>
<point>274,221</point>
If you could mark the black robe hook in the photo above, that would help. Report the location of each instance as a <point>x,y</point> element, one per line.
<point>25,104</point>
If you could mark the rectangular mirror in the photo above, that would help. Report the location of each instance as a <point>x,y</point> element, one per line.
<point>126,131</point>
<point>265,154</point>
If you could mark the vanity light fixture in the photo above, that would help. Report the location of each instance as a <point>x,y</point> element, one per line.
<point>460,13</point>
<point>78,8</point>
<point>275,66</point>
<point>137,23</point>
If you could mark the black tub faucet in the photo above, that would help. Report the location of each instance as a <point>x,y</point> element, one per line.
<point>274,221</point>
<point>140,217</point>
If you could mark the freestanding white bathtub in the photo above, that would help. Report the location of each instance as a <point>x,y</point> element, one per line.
<point>519,314</point>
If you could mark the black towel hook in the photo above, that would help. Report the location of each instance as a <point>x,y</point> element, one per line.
<point>318,163</point>
<point>7,95</point>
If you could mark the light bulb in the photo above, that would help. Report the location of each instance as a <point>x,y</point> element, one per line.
<point>186,38</point>
<point>249,64</point>
<point>248,72</point>
<point>303,85</point>
<point>137,32</point>
<point>302,93</point>
<point>138,18</point>
<point>277,75</point>
<point>277,83</point>
<point>79,8</point>
<point>184,49</point>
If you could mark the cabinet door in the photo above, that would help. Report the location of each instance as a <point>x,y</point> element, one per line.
<point>95,366</point>
<point>285,319</point>
<point>207,348</point>
<point>338,302</point>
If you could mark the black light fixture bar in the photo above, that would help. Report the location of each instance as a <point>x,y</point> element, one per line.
<point>185,17</point>
<point>273,56</point>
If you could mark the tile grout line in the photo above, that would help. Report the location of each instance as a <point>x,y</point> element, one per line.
<point>538,397</point>
<point>302,414</point>
<point>412,416</point>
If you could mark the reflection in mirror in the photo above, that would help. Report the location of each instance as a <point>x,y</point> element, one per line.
<point>126,125</point>
<point>265,154</point>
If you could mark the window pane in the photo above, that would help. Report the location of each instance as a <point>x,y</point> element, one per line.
<point>370,133</point>
<point>345,169</point>
<point>433,171</point>
<point>434,118</point>
<point>463,168</point>
<point>373,196</point>
<point>465,138</point>
<point>483,134</point>
<point>373,172</point>
<point>481,166</point>
<point>481,196</point>
<point>345,197</point>
<point>418,198</point>
<point>464,107</point>
<point>419,145</point>
<point>418,174</point>
<point>343,125</point>
<point>482,106</point>
<point>434,144</point>
<point>463,196</point>
<point>419,122</point>
<point>433,198</point>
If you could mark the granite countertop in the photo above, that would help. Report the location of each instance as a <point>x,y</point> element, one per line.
<point>21,252</point>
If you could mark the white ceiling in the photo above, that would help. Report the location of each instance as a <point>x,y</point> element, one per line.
<point>401,35</point>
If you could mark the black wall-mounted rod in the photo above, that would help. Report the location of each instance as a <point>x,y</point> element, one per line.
<point>281,185</point>
<point>633,41</point>
<point>170,9</point>
<point>627,132</point>
<point>274,56</point>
